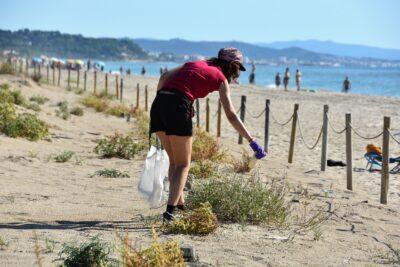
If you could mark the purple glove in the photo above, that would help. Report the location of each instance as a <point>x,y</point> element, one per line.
<point>259,152</point>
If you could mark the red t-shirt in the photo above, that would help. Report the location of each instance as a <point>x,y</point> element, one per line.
<point>196,79</point>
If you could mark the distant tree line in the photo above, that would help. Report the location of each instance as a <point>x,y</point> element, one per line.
<point>54,43</point>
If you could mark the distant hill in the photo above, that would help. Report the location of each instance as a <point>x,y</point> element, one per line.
<point>54,43</point>
<point>338,49</point>
<point>207,48</point>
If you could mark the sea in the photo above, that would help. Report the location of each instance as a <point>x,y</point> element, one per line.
<point>364,80</point>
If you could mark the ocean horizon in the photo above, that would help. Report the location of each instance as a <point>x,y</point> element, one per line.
<point>368,81</point>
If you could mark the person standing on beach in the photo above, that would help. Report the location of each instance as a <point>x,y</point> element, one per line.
<point>346,85</point>
<point>172,111</point>
<point>277,80</point>
<point>161,71</point>
<point>89,64</point>
<point>252,75</point>
<point>143,72</point>
<point>298,79</point>
<point>286,78</point>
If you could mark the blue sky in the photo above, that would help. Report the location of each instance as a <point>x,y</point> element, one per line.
<point>368,22</point>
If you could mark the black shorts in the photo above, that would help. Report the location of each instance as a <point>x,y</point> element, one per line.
<point>171,112</point>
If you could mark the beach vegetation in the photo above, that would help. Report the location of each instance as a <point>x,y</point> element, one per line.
<point>118,110</point>
<point>242,165</point>
<point>6,68</point>
<point>206,147</point>
<point>39,99</point>
<point>93,253</point>
<point>26,125</point>
<point>199,221</point>
<point>77,111</point>
<point>111,173</point>
<point>119,146</point>
<point>204,169</point>
<point>63,110</point>
<point>3,243</point>
<point>246,201</point>
<point>33,106</point>
<point>158,254</point>
<point>64,156</point>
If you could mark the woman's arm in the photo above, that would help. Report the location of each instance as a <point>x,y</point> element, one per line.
<point>166,76</point>
<point>225,97</point>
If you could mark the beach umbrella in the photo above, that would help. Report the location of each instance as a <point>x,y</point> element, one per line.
<point>79,62</point>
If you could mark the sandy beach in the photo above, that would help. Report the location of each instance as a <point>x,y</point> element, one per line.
<point>62,203</point>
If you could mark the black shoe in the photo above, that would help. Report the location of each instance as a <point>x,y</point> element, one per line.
<point>168,217</point>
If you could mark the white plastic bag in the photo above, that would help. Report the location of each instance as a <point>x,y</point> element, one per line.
<point>155,169</point>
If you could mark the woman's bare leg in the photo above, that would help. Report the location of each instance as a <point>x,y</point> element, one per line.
<point>182,150</point>
<point>167,146</point>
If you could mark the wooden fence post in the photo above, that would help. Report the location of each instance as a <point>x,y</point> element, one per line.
<point>34,69</point>
<point>146,98</point>
<point>197,113</point>
<point>219,119</point>
<point>54,74</point>
<point>137,95</point>
<point>47,73</point>
<point>349,153</point>
<point>242,115</point>
<point>121,95</point>
<point>385,161</point>
<point>40,70</point>
<point>84,80</point>
<point>95,83</point>
<point>27,67</point>
<point>266,126</point>
<point>78,74</point>
<point>293,133</point>
<point>324,150</point>
<point>207,115</point>
<point>69,76</point>
<point>59,75</point>
<point>21,66</point>
<point>106,85</point>
<point>116,87</point>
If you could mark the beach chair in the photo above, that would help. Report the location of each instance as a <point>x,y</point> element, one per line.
<point>374,159</point>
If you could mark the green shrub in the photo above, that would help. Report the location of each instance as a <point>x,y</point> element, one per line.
<point>206,147</point>
<point>203,169</point>
<point>6,68</point>
<point>77,111</point>
<point>64,156</point>
<point>117,110</point>
<point>39,99</point>
<point>33,106</point>
<point>200,221</point>
<point>62,110</point>
<point>7,114</point>
<point>118,146</point>
<point>18,98</point>
<point>3,243</point>
<point>111,173</point>
<point>94,253</point>
<point>26,125</point>
<point>241,200</point>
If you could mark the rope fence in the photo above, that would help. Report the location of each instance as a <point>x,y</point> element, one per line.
<point>104,82</point>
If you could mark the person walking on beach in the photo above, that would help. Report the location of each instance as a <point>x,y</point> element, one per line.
<point>252,75</point>
<point>277,80</point>
<point>298,79</point>
<point>172,111</point>
<point>346,85</point>
<point>143,72</point>
<point>286,78</point>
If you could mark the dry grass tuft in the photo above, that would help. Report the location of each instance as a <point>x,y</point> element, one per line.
<point>199,221</point>
<point>158,254</point>
<point>243,165</point>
